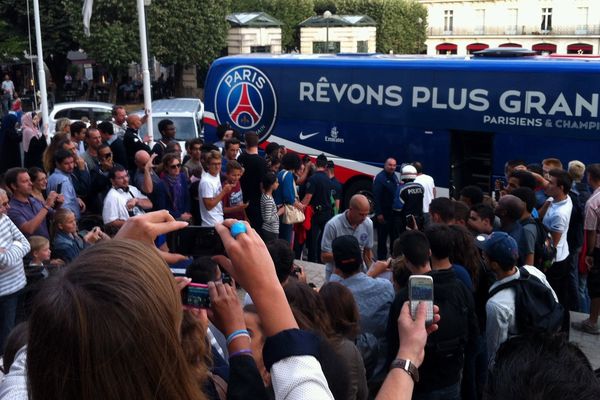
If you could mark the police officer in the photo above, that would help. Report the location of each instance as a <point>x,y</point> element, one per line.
<point>408,202</point>
<point>385,186</point>
<point>318,196</point>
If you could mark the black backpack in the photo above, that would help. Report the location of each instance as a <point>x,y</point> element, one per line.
<point>545,251</point>
<point>536,310</point>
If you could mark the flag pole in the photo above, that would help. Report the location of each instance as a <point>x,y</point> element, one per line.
<point>40,65</point>
<point>145,71</point>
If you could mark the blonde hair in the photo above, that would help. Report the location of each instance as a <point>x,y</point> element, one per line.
<point>576,170</point>
<point>60,216</point>
<point>213,155</point>
<point>37,243</point>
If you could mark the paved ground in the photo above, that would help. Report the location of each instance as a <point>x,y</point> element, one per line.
<point>590,344</point>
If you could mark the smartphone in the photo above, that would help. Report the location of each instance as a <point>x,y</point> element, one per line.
<point>195,241</point>
<point>59,188</point>
<point>420,289</point>
<point>195,295</point>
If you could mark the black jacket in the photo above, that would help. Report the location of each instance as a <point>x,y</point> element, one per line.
<point>133,143</point>
<point>446,348</point>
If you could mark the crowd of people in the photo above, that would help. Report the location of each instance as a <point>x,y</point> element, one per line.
<point>90,307</point>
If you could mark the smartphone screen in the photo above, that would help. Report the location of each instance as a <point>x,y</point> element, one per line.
<point>420,289</point>
<point>59,188</point>
<point>195,241</point>
<point>195,295</point>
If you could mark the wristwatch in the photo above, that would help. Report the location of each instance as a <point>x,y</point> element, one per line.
<point>408,366</point>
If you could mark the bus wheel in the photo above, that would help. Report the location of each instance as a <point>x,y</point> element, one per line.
<point>361,186</point>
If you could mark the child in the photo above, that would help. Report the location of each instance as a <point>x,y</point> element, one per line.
<point>35,271</point>
<point>233,202</point>
<point>40,254</point>
<point>268,208</point>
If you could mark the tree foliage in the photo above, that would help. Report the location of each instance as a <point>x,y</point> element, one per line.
<point>188,32</point>
<point>289,12</point>
<point>11,43</point>
<point>401,24</point>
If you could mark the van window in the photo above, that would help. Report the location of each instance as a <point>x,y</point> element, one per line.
<point>101,114</point>
<point>78,113</point>
<point>186,127</point>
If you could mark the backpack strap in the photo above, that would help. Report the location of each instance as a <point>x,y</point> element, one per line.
<point>524,276</point>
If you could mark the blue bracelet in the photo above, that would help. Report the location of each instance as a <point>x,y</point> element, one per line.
<point>241,332</point>
<point>241,352</point>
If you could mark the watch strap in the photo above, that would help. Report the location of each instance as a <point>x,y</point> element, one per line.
<point>407,366</point>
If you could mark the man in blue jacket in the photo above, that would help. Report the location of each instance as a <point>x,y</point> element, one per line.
<point>384,189</point>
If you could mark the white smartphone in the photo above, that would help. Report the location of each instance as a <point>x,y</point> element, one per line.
<point>420,289</point>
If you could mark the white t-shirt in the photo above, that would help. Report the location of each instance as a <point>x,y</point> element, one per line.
<point>8,87</point>
<point>427,182</point>
<point>557,219</point>
<point>210,187</point>
<point>115,204</point>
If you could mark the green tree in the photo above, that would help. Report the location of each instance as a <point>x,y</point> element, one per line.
<point>56,30</point>
<point>289,12</point>
<point>12,43</point>
<point>401,24</point>
<point>187,32</point>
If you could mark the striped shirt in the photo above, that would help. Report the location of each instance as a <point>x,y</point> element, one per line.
<point>268,210</point>
<point>15,246</point>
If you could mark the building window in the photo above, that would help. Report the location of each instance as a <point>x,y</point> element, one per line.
<point>260,49</point>
<point>546,19</point>
<point>362,46</point>
<point>448,21</point>
<point>479,22</point>
<point>582,19</point>
<point>321,47</point>
<point>513,21</point>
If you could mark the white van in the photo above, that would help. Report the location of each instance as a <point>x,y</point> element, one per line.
<point>186,114</point>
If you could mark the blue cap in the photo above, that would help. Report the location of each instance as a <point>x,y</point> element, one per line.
<point>499,247</point>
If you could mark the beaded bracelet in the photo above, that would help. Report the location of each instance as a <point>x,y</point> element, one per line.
<point>240,353</point>
<point>238,333</point>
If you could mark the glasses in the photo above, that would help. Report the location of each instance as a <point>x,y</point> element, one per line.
<point>105,156</point>
<point>175,166</point>
<point>4,205</point>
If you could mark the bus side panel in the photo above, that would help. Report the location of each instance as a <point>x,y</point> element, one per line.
<point>535,148</point>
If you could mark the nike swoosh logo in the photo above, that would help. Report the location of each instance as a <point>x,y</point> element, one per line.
<point>304,137</point>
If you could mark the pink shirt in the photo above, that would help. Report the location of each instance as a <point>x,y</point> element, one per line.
<point>592,215</point>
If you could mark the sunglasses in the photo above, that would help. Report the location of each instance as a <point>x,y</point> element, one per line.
<point>174,166</point>
<point>105,156</point>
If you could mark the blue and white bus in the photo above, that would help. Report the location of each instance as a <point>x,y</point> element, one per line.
<point>461,117</point>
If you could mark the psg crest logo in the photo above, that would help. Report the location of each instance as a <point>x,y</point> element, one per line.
<point>245,99</point>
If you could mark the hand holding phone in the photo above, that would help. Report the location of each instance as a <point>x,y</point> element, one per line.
<point>420,289</point>
<point>195,295</point>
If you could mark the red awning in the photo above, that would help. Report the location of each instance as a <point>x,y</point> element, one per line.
<point>580,47</point>
<point>510,45</point>
<point>446,47</point>
<point>545,47</point>
<point>477,46</point>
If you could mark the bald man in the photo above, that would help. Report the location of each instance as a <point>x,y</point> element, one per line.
<point>354,221</point>
<point>132,141</point>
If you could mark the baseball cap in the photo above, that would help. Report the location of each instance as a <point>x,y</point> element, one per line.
<point>499,247</point>
<point>408,172</point>
<point>346,252</point>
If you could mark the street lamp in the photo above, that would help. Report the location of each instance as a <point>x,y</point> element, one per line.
<point>326,15</point>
